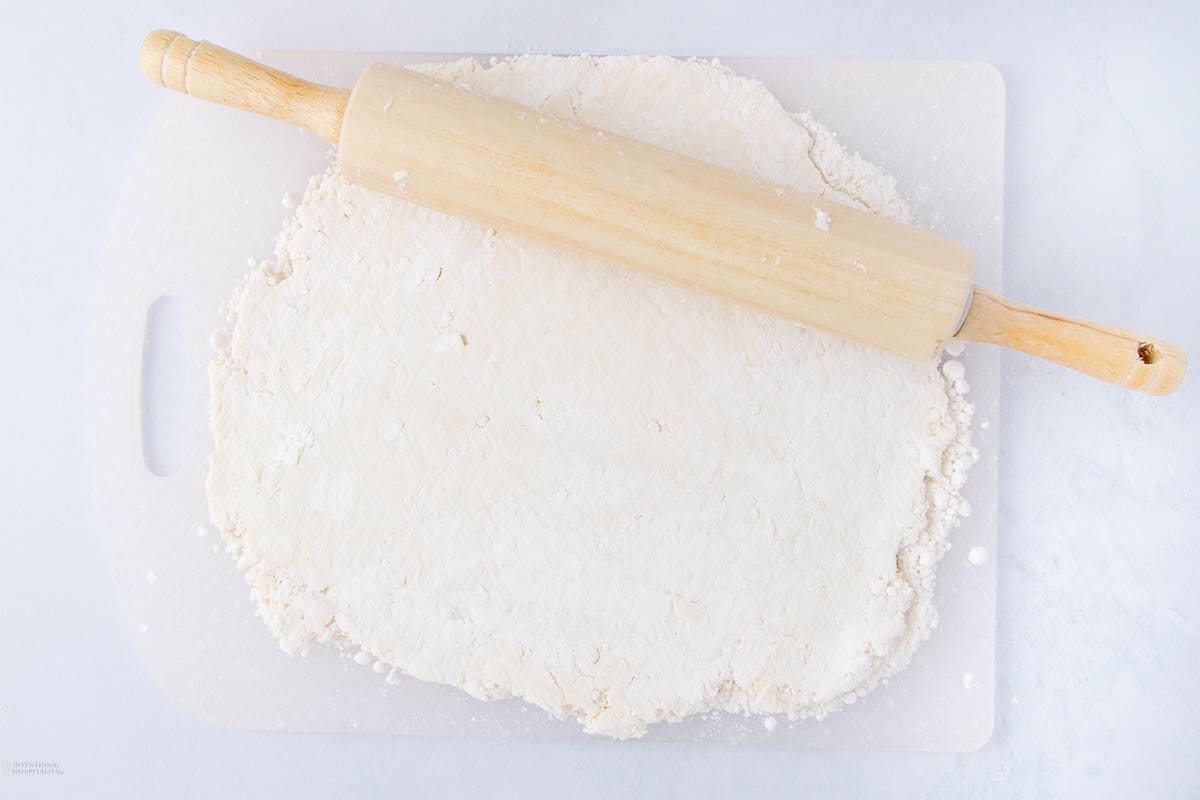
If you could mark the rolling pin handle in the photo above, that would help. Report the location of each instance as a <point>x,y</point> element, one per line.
<point>203,70</point>
<point>1134,361</point>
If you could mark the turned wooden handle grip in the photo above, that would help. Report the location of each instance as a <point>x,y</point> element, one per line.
<point>203,70</point>
<point>1143,363</point>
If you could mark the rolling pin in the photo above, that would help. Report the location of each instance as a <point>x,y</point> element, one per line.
<point>846,271</point>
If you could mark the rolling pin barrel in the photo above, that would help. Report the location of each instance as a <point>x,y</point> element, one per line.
<point>793,254</point>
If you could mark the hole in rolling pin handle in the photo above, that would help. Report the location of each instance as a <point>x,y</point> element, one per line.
<point>1148,353</point>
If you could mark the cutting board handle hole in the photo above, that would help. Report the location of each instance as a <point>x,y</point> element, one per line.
<point>164,386</point>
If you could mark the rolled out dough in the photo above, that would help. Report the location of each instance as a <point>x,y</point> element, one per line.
<point>480,461</point>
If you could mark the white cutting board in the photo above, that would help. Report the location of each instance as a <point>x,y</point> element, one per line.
<point>205,194</point>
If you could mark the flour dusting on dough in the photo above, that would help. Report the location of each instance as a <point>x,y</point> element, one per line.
<point>474,459</point>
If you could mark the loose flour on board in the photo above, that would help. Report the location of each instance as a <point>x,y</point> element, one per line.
<point>477,460</point>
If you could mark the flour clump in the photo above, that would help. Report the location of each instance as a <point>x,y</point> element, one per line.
<point>477,460</point>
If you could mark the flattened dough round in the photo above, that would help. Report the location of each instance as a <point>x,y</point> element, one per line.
<point>494,465</point>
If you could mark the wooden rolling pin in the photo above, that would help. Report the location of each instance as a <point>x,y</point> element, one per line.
<point>879,282</point>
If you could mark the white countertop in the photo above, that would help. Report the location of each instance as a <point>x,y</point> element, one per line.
<point>1098,617</point>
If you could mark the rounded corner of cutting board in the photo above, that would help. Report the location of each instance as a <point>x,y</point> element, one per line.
<point>983,737</point>
<point>993,76</point>
<point>188,705</point>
